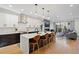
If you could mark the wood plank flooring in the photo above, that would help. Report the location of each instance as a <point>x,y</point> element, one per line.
<point>11,49</point>
<point>61,46</point>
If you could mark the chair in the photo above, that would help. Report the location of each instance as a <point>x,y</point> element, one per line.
<point>45,40</point>
<point>35,42</point>
<point>53,36</point>
<point>49,38</point>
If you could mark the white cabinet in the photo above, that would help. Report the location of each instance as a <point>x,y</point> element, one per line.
<point>8,20</point>
<point>11,20</point>
<point>2,19</point>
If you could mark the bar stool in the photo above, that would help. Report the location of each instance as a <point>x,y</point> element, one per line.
<point>36,38</point>
<point>52,37</point>
<point>45,40</point>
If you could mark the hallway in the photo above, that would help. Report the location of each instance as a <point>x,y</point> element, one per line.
<point>61,46</point>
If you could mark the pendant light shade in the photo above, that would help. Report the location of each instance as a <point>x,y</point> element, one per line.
<point>48,17</point>
<point>36,9</point>
<point>43,12</point>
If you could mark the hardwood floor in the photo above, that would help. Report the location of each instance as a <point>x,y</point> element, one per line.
<point>11,49</point>
<point>61,46</point>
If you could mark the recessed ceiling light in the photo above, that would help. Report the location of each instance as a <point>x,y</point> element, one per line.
<point>48,17</point>
<point>22,9</point>
<point>10,6</point>
<point>40,15</point>
<point>71,5</point>
<point>31,12</point>
<point>35,13</point>
<point>70,14</point>
<point>57,16</point>
<point>43,16</point>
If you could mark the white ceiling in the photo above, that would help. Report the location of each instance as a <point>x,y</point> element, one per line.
<point>57,11</point>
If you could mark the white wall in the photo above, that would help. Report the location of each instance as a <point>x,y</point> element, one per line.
<point>77,27</point>
<point>31,24</point>
<point>52,26</point>
<point>34,23</point>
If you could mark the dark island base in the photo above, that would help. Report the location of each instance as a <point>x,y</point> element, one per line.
<point>9,39</point>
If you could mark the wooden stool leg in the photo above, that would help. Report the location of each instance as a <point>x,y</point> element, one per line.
<point>33,47</point>
<point>52,39</point>
<point>46,42</point>
<point>49,40</point>
<point>43,42</point>
<point>38,46</point>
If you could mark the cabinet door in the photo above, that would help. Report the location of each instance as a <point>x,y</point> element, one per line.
<point>11,20</point>
<point>8,20</point>
<point>2,19</point>
<point>10,39</point>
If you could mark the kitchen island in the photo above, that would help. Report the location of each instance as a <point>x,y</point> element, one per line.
<point>24,41</point>
<point>11,37</point>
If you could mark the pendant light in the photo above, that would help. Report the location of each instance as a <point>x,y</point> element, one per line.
<point>48,16</point>
<point>36,9</point>
<point>43,12</point>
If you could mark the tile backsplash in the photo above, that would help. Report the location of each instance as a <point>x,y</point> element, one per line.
<point>13,29</point>
<point>7,29</point>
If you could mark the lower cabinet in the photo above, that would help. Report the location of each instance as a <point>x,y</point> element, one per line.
<point>9,39</point>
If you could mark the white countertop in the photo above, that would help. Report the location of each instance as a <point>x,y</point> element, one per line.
<point>29,35</point>
<point>10,32</point>
<point>5,33</point>
<point>34,34</point>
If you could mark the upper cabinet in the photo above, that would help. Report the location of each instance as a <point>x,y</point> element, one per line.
<point>11,20</point>
<point>2,19</point>
<point>8,20</point>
